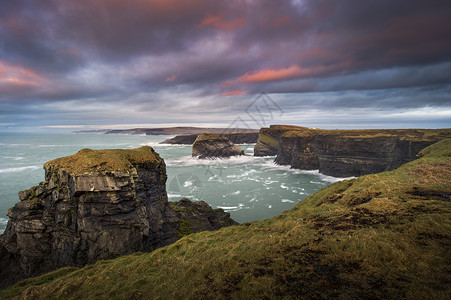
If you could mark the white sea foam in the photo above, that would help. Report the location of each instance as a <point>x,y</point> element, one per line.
<point>253,199</point>
<point>3,221</point>
<point>224,162</point>
<point>160,146</point>
<point>270,206</point>
<point>14,157</point>
<point>228,207</point>
<point>235,193</point>
<point>11,170</point>
<point>273,166</point>
<point>283,186</point>
<point>174,196</point>
<point>287,201</point>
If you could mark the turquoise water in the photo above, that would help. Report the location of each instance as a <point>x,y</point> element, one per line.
<point>250,188</point>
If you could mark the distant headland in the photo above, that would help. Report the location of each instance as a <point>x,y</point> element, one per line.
<point>169,130</point>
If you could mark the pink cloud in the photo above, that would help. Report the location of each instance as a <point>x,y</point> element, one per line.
<point>170,78</point>
<point>234,93</point>
<point>18,76</point>
<point>220,23</point>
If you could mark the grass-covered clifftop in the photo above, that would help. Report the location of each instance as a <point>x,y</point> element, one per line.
<point>381,236</point>
<point>88,160</point>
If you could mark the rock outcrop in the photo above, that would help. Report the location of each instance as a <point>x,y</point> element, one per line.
<point>344,153</point>
<point>237,138</point>
<point>96,204</point>
<point>199,216</point>
<point>268,139</point>
<point>214,146</point>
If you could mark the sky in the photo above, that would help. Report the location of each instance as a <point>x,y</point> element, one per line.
<point>90,64</point>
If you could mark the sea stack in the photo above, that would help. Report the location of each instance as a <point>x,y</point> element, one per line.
<point>214,146</point>
<point>95,204</point>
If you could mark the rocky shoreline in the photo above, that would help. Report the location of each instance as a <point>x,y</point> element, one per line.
<point>380,236</point>
<point>101,204</point>
<point>97,204</point>
<point>345,153</point>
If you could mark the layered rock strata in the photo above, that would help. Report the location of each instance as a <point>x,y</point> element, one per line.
<point>214,146</point>
<point>344,153</point>
<point>96,204</point>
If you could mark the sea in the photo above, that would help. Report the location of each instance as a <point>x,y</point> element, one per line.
<point>249,188</point>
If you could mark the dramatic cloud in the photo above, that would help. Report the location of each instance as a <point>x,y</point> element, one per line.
<point>110,62</point>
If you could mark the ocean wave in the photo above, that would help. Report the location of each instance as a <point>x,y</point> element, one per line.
<point>194,161</point>
<point>18,145</point>
<point>174,196</point>
<point>157,144</point>
<point>234,208</point>
<point>14,157</point>
<point>50,146</point>
<point>273,166</point>
<point>228,207</point>
<point>3,221</point>
<point>11,170</point>
<point>287,201</point>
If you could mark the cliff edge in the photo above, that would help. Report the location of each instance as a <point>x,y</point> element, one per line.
<point>379,236</point>
<point>345,153</point>
<point>93,205</point>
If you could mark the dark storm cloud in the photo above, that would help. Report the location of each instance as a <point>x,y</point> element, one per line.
<point>205,56</point>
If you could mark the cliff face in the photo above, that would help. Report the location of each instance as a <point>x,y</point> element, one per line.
<point>268,139</point>
<point>214,145</point>
<point>237,138</point>
<point>344,153</point>
<point>93,205</point>
<point>380,236</point>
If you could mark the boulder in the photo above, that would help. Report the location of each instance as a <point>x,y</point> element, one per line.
<point>215,146</point>
<point>96,204</point>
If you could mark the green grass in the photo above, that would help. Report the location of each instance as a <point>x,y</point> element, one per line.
<point>381,236</point>
<point>210,137</point>
<point>404,134</point>
<point>100,161</point>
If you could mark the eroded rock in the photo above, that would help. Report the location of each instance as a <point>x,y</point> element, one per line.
<point>344,153</point>
<point>96,204</point>
<point>215,146</point>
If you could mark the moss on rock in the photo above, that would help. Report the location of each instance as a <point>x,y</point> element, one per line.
<point>100,161</point>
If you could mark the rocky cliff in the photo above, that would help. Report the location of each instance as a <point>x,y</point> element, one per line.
<point>380,236</point>
<point>214,145</point>
<point>96,204</point>
<point>237,138</point>
<point>345,153</point>
<point>268,139</point>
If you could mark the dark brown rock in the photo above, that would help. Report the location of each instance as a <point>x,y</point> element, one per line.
<point>199,216</point>
<point>344,153</point>
<point>94,205</point>
<point>268,139</point>
<point>215,146</point>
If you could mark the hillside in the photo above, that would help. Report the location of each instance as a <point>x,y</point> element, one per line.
<point>380,236</point>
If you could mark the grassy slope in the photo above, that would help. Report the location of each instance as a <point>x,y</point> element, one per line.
<point>379,236</point>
